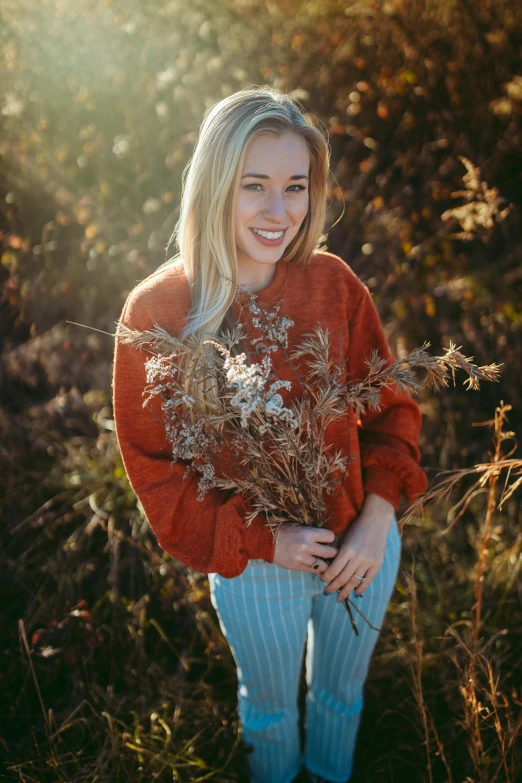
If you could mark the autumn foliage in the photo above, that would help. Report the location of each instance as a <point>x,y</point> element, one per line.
<point>114,664</point>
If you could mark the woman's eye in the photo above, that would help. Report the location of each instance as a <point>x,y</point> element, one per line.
<point>254,185</point>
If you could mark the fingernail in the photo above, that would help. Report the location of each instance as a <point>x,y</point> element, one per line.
<point>340,599</point>
<point>325,591</point>
<point>359,595</point>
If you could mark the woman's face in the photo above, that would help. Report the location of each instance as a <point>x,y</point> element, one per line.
<point>273,197</point>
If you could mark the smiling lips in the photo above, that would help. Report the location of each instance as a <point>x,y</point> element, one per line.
<point>271,238</point>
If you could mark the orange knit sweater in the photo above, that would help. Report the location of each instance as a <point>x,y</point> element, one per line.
<point>210,535</point>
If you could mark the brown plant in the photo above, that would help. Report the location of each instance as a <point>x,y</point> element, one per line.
<point>491,717</point>
<point>277,454</point>
<point>483,209</point>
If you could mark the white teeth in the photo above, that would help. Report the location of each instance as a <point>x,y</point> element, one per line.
<point>269,234</point>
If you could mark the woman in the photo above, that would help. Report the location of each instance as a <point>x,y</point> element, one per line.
<point>252,214</point>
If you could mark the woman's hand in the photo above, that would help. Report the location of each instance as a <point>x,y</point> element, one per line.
<point>299,546</point>
<point>362,550</point>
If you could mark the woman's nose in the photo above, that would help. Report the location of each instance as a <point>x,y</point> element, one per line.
<point>275,208</point>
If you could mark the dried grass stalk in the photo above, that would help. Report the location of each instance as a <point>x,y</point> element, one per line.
<point>250,441</point>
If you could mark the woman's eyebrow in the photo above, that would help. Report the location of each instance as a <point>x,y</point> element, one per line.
<point>265,176</point>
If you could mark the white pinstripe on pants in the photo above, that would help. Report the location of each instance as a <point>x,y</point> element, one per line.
<point>265,614</point>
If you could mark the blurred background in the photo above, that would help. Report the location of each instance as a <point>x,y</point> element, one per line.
<point>113,665</point>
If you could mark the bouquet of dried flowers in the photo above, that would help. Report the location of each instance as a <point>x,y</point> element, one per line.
<point>244,438</point>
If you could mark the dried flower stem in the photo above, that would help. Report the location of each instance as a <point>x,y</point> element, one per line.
<point>416,669</point>
<point>499,437</point>
<point>280,459</point>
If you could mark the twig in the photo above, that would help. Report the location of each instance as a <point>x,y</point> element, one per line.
<point>47,716</point>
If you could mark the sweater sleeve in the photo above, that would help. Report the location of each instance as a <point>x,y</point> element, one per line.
<point>388,437</point>
<point>208,535</point>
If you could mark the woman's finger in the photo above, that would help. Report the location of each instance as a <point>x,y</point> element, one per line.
<point>336,567</point>
<point>370,576</point>
<point>342,578</point>
<point>351,583</point>
<point>308,564</point>
<point>322,535</point>
<point>323,550</point>
<point>355,584</point>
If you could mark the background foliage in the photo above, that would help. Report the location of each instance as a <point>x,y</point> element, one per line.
<point>100,104</point>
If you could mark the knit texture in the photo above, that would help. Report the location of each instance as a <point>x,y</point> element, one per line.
<point>210,535</point>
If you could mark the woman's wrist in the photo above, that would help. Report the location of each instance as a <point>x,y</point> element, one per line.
<point>377,509</point>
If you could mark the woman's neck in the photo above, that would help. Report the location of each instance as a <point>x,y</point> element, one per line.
<point>255,277</point>
<point>250,278</point>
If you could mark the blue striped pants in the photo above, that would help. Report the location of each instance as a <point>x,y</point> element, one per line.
<point>266,614</point>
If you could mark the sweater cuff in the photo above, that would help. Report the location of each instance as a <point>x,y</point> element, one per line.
<point>383,483</point>
<point>259,540</point>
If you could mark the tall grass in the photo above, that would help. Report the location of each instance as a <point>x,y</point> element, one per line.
<point>490,705</point>
<point>115,667</point>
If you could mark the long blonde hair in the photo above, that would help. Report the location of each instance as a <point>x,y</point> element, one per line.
<point>205,232</point>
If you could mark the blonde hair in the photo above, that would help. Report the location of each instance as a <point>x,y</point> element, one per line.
<point>205,232</point>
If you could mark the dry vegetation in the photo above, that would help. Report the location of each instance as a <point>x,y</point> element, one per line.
<point>113,666</point>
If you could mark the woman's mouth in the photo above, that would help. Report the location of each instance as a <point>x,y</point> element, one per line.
<point>269,238</point>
